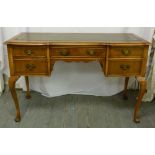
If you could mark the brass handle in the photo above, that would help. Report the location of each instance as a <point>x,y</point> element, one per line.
<point>125,67</point>
<point>91,52</point>
<point>64,53</point>
<point>126,52</point>
<point>28,52</point>
<point>30,67</point>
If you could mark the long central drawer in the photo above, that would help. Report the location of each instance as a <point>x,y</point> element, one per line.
<point>77,51</point>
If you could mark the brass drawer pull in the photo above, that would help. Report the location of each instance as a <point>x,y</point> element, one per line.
<point>28,52</point>
<point>64,53</point>
<point>30,67</point>
<point>91,52</point>
<point>126,52</point>
<point>125,67</point>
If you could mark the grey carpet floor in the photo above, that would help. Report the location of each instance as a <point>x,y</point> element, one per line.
<point>75,111</point>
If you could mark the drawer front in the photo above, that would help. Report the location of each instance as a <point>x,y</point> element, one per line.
<point>31,67</point>
<point>30,51</point>
<point>78,52</point>
<point>123,51</point>
<point>124,68</point>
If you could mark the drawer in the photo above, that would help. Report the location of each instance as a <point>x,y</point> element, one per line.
<point>31,67</point>
<point>78,52</point>
<point>30,51</point>
<point>124,68</point>
<point>126,51</point>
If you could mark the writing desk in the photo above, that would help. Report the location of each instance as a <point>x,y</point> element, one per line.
<point>119,55</point>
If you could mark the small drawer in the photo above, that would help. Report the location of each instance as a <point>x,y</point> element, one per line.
<point>30,51</point>
<point>31,67</point>
<point>78,52</point>
<point>126,51</point>
<point>124,68</point>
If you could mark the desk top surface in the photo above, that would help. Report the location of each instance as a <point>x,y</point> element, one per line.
<point>76,38</point>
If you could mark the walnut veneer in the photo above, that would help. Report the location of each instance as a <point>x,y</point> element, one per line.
<point>119,55</point>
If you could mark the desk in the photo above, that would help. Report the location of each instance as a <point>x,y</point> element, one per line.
<point>119,55</point>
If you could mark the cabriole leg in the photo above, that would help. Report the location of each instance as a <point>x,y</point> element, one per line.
<point>143,88</point>
<point>12,82</point>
